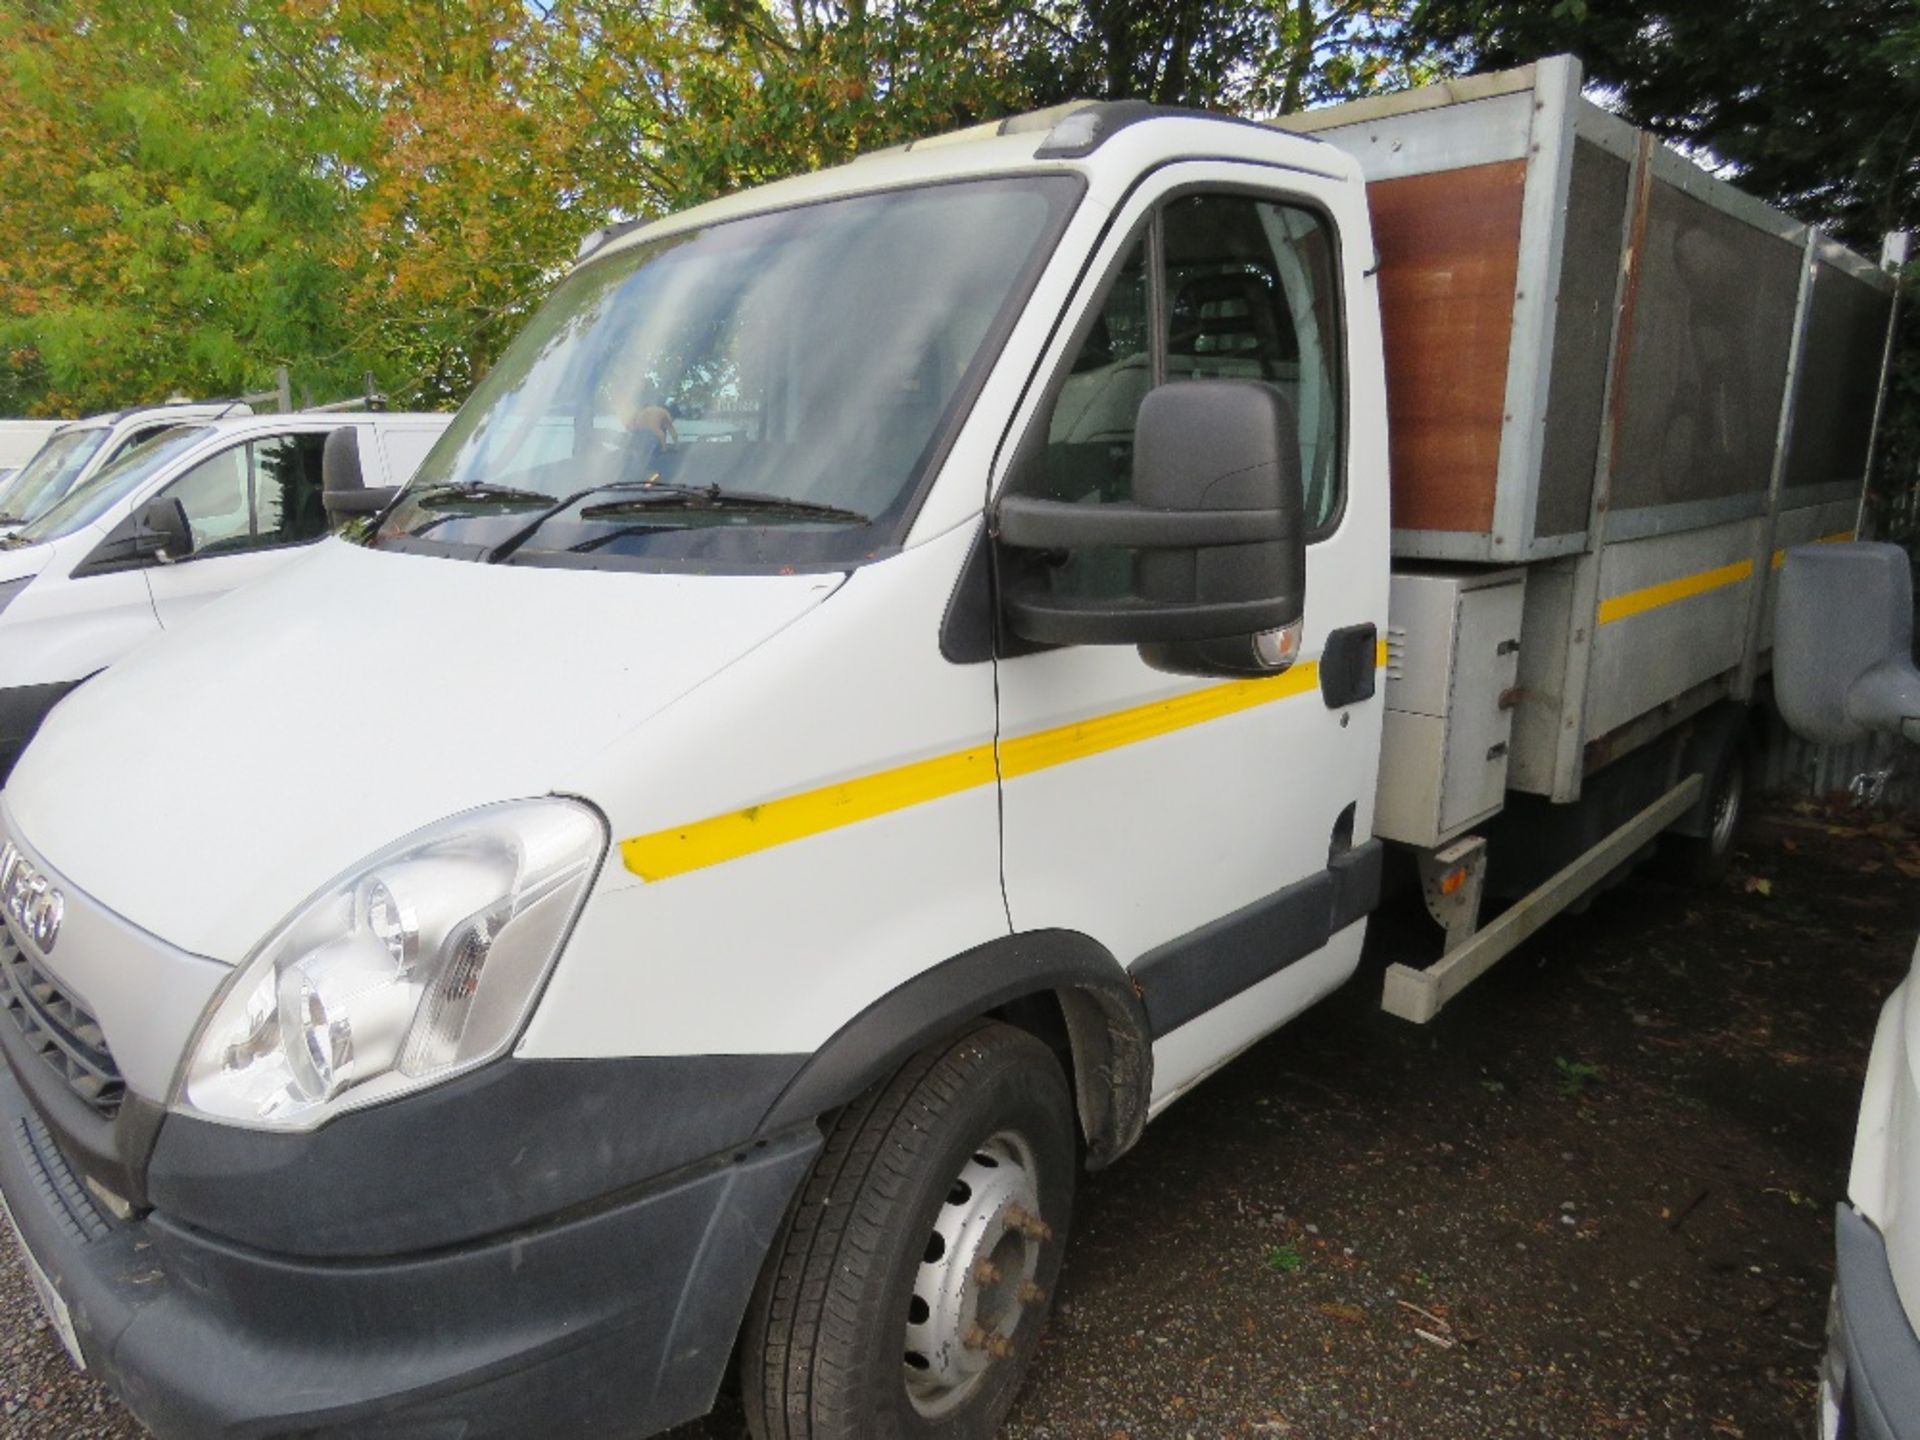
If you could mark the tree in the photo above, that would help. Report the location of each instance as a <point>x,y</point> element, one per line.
<point>1271,57</point>
<point>200,191</point>
<point>162,229</point>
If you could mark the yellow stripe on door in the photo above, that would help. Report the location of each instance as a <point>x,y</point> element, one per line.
<point>675,851</point>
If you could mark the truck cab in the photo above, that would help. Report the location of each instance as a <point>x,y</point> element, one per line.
<point>689,784</point>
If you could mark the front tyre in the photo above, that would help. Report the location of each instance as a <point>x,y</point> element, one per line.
<point>904,1298</point>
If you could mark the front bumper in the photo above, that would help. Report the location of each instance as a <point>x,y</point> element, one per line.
<point>619,1314</point>
<point>1874,1361</point>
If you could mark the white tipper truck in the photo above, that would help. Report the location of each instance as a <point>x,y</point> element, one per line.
<point>880,690</point>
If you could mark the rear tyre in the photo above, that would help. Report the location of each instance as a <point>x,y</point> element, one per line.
<point>905,1295</point>
<point>1706,859</point>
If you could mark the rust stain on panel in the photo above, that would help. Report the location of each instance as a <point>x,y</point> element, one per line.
<point>1449,248</point>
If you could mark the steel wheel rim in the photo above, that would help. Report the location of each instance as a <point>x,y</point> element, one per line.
<point>1726,809</point>
<point>975,1280</point>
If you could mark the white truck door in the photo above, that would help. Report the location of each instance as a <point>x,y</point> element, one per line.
<point>249,508</point>
<point>1191,825</point>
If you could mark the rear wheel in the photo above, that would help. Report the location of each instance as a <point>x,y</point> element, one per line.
<point>1705,859</point>
<point>904,1298</point>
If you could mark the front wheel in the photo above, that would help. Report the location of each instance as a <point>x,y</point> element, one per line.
<point>905,1295</point>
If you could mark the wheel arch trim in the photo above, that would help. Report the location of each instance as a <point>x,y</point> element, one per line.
<point>1106,1024</point>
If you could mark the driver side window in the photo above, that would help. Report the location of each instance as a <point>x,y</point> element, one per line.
<point>1215,287</point>
<point>257,495</point>
<point>214,494</point>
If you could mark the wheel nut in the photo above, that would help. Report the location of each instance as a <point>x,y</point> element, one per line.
<point>1031,1226</point>
<point>987,1273</point>
<point>1031,1294</point>
<point>996,1345</point>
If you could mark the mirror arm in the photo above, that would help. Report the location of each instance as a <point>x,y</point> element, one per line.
<point>1029,523</point>
<point>369,500</point>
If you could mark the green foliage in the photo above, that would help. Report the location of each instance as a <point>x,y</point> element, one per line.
<point>1572,1077</point>
<point>1287,1259</point>
<point>1271,57</point>
<point>199,191</point>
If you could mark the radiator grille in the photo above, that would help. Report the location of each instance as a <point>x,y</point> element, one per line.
<point>58,1030</point>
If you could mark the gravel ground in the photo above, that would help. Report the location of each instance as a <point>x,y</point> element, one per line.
<point>1593,1200</point>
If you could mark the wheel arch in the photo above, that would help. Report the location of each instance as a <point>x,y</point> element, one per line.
<point>1109,1044</point>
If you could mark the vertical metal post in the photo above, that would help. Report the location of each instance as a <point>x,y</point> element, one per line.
<point>283,389</point>
<point>1569,761</point>
<point>1783,438</point>
<point>1895,251</point>
<point>1543,220</point>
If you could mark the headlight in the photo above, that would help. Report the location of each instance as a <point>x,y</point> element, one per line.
<point>414,966</point>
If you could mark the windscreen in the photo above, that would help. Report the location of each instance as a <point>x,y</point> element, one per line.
<point>87,502</point>
<point>50,474</point>
<point>759,393</point>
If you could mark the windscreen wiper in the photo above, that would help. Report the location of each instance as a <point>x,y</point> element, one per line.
<point>555,507</point>
<point>483,491</point>
<point>645,496</point>
<point>714,498</point>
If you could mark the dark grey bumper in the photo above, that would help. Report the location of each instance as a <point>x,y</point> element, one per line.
<point>617,1315</point>
<point>1879,1351</point>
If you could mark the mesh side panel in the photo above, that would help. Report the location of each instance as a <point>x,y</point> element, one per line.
<point>1712,323</point>
<point>1582,338</point>
<point>1839,377</point>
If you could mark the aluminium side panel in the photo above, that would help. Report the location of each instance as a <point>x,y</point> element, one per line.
<point>1672,615</point>
<point>1543,244</point>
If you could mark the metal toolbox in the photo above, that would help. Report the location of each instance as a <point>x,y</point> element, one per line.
<point>1453,660</point>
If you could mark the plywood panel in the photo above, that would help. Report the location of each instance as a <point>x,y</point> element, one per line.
<point>1449,248</point>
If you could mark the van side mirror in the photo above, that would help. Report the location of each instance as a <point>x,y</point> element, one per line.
<point>157,530</point>
<point>161,531</point>
<point>343,484</point>
<point>1217,528</point>
<point>1843,643</point>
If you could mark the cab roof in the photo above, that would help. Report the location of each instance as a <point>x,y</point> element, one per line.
<point>1110,141</point>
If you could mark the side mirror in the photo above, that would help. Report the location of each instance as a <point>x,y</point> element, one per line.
<point>1217,530</point>
<point>157,530</point>
<point>1843,643</point>
<point>161,531</point>
<point>343,485</point>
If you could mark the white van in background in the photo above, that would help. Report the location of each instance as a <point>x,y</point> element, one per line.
<point>180,520</point>
<point>77,452</point>
<point>20,441</point>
